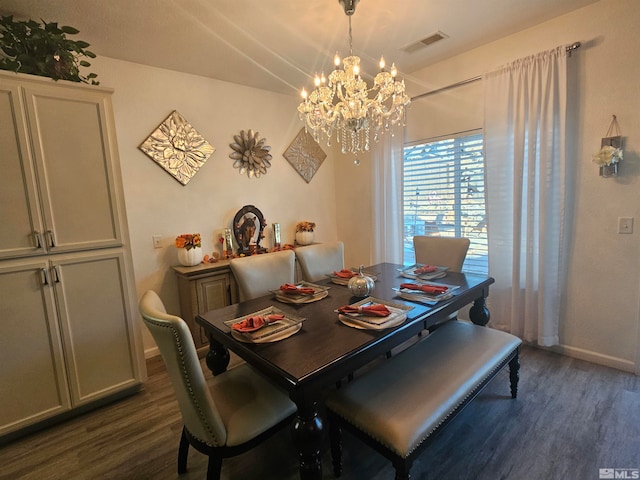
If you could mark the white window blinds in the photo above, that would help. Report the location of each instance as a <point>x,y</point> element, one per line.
<point>444,195</point>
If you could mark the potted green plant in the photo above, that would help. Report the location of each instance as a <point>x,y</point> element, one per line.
<point>43,49</point>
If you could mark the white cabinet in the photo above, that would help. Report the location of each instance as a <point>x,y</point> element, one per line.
<point>57,170</point>
<point>68,306</point>
<point>33,377</point>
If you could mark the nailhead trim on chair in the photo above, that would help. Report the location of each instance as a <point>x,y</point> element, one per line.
<point>192,396</point>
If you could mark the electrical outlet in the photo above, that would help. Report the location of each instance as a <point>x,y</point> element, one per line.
<point>625,224</point>
<point>157,241</point>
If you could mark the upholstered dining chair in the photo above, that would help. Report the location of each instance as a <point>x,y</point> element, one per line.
<point>256,275</point>
<point>316,261</point>
<point>238,410</point>
<point>441,251</point>
<point>444,252</point>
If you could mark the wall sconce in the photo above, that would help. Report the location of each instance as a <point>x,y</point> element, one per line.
<point>610,153</point>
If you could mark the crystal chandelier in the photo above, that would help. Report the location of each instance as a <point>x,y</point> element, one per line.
<point>345,104</point>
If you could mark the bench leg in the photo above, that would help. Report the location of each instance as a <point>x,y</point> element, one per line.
<point>335,435</point>
<point>402,469</point>
<point>514,373</point>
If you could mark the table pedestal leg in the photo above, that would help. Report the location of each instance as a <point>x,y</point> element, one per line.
<point>479,313</point>
<point>307,436</point>
<point>217,357</point>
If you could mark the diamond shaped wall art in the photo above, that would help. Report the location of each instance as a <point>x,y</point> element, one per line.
<point>178,148</point>
<point>305,155</point>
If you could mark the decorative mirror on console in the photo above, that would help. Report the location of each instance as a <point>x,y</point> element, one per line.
<point>248,229</point>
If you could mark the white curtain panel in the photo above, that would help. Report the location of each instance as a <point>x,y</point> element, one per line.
<point>524,135</point>
<point>387,223</point>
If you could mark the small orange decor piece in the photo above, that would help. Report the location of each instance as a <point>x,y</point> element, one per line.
<point>305,226</point>
<point>188,240</point>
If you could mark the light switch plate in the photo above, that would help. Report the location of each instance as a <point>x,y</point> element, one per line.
<point>157,241</point>
<point>625,224</point>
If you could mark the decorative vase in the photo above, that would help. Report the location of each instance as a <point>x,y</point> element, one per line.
<point>304,238</point>
<point>190,257</point>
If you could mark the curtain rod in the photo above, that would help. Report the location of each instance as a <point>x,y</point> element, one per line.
<point>569,49</point>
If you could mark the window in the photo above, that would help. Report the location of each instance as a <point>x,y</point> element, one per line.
<point>444,195</point>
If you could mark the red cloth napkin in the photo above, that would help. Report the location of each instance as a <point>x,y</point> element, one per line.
<point>430,289</point>
<point>425,269</point>
<point>344,273</point>
<point>293,289</point>
<point>251,324</point>
<point>375,310</point>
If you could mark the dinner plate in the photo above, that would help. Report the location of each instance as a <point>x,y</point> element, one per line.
<point>289,325</point>
<point>345,281</point>
<point>287,298</point>
<point>417,296</point>
<point>319,292</point>
<point>352,322</point>
<point>358,320</point>
<point>279,335</point>
<point>409,272</point>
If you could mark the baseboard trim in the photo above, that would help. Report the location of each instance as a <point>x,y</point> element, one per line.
<point>151,352</point>
<point>593,357</point>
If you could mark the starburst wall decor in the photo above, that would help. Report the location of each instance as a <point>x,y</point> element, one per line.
<point>178,148</point>
<point>250,155</point>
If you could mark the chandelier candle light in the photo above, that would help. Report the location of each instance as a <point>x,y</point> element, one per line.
<point>344,103</point>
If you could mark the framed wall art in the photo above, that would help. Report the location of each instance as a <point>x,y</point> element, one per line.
<point>305,155</point>
<point>177,147</point>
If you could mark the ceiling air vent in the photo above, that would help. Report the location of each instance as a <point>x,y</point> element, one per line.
<point>425,42</point>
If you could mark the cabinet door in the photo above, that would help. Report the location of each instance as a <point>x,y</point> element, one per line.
<point>213,292</point>
<point>96,323</point>
<point>19,215</point>
<point>72,147</point>
<point>33,382</point>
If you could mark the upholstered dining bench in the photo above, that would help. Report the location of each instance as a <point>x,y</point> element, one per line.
<point>399,406</point>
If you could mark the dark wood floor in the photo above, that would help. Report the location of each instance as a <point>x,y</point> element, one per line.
<point>570,419</point>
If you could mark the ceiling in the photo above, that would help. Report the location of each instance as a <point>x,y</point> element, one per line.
<point>278,44</point>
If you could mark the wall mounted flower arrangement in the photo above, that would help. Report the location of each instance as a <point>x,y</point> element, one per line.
<point>178,148</point>
<point>610,153</point>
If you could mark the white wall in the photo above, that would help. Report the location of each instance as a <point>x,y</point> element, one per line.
<point>158,205</point>
<point>603,294</point>
<point>601,314</point>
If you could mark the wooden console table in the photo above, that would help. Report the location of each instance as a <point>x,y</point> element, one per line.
<point>203,288</point>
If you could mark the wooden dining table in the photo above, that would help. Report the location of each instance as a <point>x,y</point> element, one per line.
<point>324,352</point>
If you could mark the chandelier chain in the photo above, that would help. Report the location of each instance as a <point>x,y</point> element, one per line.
<point>350,38</point>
